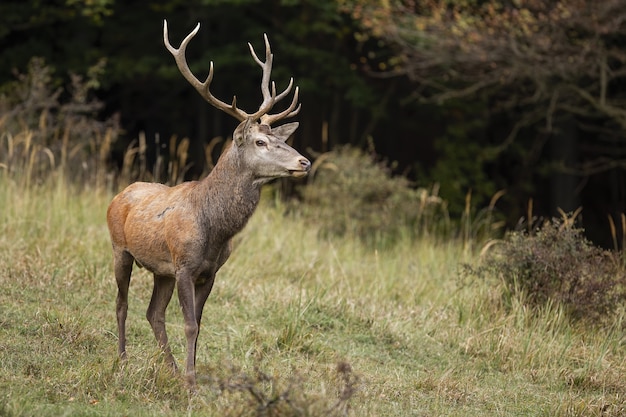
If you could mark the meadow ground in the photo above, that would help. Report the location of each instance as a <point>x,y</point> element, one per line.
<point>296,325</point>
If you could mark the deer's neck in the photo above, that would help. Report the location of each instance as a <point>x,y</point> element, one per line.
<point>230,195</point>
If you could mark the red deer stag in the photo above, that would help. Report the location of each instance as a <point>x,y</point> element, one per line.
<point>182,234</point>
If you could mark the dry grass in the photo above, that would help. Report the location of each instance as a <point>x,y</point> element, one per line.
<point>287,308</point>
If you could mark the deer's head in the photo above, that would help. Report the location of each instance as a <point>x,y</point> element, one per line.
<point>263,149</point>
<point>265,152</point>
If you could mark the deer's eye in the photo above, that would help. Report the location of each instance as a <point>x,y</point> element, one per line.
<point>260,143</point>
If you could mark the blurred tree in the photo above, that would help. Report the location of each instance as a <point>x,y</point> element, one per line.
<point>563,56</point>
<point>50,29</point>
<point>548,74</point>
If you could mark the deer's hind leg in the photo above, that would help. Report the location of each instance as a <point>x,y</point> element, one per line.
<point>161,296</point>
<point>123,267</point>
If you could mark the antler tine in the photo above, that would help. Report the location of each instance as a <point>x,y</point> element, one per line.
<point>201,87</point>
<point>268,119</point>
<point>287,90</point>
<point>269,98</point>
<point>266,66</point>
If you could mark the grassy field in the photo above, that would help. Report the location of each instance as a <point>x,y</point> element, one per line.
<point>296,325</point>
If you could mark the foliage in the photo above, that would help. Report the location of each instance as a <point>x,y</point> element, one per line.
<point>350,193</point>
<point>549,78</point>
<point>93,9</point>
<point>45,125</point>
<point>556,264</point>
<point>462,163</point>
<point>543,61</point>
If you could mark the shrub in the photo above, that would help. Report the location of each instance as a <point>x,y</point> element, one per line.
<point>46,126</point>
<point>259,394</point>
<point>350,193</point>
<point>556,263</point>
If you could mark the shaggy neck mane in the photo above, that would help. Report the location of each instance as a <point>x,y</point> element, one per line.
<point>229,200</point>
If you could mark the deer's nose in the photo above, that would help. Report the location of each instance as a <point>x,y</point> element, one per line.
<point>305,164</point>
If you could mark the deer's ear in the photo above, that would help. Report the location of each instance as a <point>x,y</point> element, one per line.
<point>283,132</point>
<point>242,131</point>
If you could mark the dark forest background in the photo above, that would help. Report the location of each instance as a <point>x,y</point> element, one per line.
<point>476,96</point>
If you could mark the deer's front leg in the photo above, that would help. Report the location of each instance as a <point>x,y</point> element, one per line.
<point>202,293</point>
<point>186,297</point>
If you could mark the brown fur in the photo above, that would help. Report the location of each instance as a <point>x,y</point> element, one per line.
<point>182,234</point>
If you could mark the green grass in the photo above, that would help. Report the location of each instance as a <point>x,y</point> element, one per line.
<point>296,325</point>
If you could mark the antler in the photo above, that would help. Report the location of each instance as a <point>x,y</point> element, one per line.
<point>269,98</point>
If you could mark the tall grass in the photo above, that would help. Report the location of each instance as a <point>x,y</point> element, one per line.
<point>297,324</point>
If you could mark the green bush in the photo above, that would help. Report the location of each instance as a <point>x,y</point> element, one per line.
<point>350,193</point>
<point>556,263</point>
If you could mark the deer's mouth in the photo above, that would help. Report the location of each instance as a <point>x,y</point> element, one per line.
<point>304,165</point>
<point>298,173</point>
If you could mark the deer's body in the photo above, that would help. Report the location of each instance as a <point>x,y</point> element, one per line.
<point>182,234</point>
<point>191,223</point>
